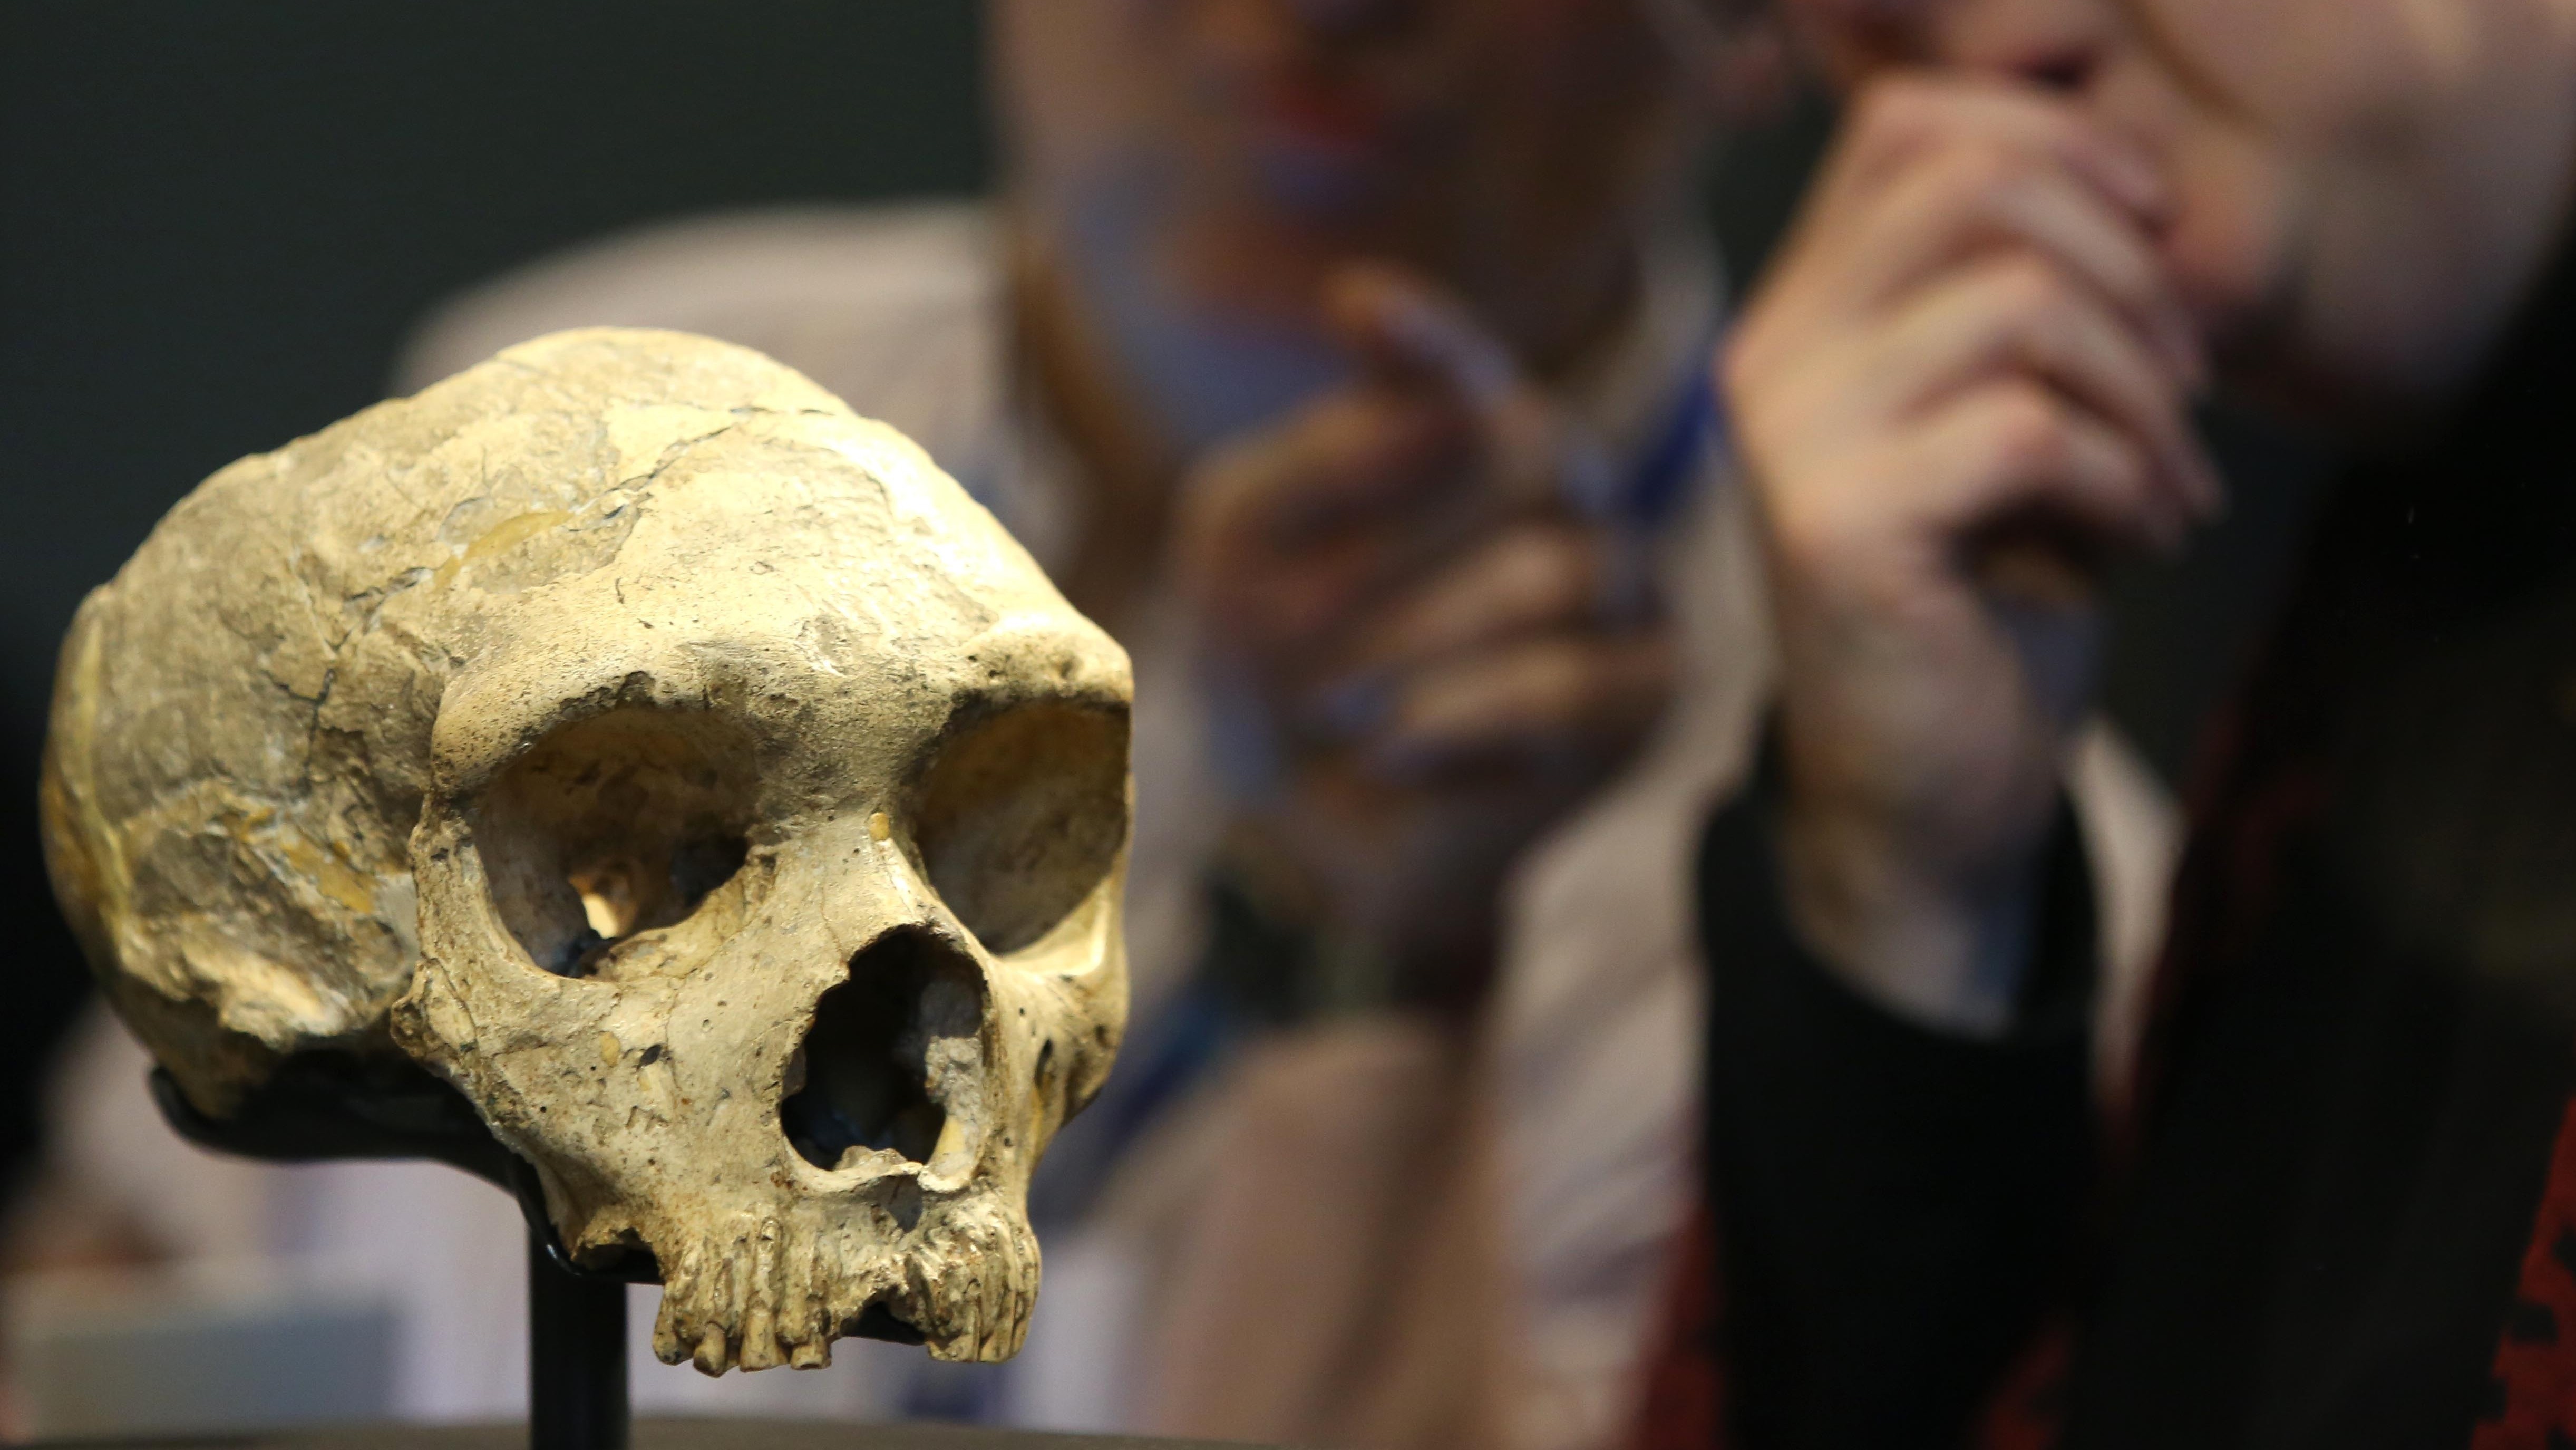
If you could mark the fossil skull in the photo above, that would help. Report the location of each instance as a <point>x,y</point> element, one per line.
<point>682,767</point>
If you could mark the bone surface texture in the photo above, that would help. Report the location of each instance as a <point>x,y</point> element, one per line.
<point>682,767</point>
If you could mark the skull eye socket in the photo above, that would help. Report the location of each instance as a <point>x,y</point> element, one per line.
<point>613,826</point>
<point>1022,814</point>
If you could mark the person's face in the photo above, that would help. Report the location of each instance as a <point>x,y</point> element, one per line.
<point>1329,111</point>
<point>2358,183</point>
<point>1486,141</point>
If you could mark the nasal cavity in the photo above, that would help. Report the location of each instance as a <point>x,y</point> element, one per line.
<point>888,1048</point>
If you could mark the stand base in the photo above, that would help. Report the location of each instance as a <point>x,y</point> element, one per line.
<point>657,1435</point>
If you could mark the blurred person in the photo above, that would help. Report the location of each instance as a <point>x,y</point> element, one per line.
<point>1279,353</point>
<point>2336,1201</point>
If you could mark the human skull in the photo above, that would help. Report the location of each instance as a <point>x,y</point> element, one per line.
<point>678,764</point>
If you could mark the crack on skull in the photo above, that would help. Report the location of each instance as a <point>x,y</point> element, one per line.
<point>892,1050</point>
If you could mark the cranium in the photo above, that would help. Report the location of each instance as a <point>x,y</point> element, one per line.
<point>677,764</point>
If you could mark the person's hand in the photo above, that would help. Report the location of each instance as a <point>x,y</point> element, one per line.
<point>1962,388</point>
<point>1444,654</point>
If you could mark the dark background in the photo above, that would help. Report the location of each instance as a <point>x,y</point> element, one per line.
<point>221,217</point>
<point>217,220</point>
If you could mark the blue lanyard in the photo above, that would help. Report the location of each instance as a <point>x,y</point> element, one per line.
<point>1664,473</point>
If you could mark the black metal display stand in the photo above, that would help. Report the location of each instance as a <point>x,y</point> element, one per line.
<point>326,1106</point>
<point>576,1357</point>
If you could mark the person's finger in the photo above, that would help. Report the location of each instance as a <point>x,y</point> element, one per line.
<point>2016,313</point>
<point>1975,199</point>
<point>1540,575</point>
<point>1289,617</point>
<point>1900,119</point>
<point>1569,700</point>
<point>1406,328</point>
<point>2049,214</point>
<point>1350,456</point>
<point>2016,448</point>
<point>1413,334</point>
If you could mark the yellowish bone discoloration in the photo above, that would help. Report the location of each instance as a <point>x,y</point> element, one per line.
<point>532,727</point>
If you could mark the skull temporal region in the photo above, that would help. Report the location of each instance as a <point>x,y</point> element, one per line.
<point>678,764</point>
